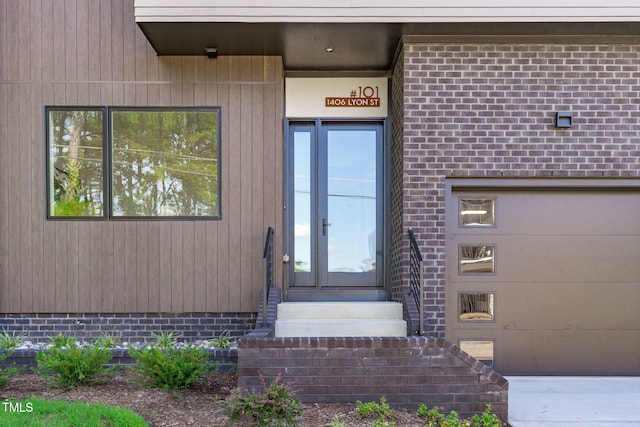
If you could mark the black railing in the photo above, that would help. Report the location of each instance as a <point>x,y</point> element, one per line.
<point>267,257</point>
<point>416,278</point>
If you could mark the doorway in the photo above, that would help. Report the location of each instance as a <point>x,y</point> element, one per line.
<point>335,212</point>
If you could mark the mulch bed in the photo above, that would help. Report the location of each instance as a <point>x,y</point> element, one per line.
<point>198,406</point>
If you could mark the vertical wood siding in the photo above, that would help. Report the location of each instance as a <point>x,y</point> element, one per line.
<point>90,52</point>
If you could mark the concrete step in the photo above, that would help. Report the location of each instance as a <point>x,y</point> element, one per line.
<point>340,310</point>
<point>340,319</point>
<point>341,328</point>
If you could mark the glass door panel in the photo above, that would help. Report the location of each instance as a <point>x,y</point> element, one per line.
<point>351,199</point>
<point>303,204</point>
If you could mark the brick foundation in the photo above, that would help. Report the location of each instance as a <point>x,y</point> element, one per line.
<point>407,370</point>
<point>227,359</point>
<point>132,327</point>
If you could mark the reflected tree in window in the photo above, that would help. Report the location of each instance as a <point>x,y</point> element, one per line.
<point>165,163</point>
<point>76,166</point>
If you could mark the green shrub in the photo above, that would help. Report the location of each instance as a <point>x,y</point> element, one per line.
<point>222,341</point>
<point>62,341</point>
<point>7,373</point>
<point>486,419</point>
<point>165,339</point>
<point>69,365</point>
<point>373,409</point>
<point>433,418</point>
<point>167,366</point>
<point>108,340</point>
<point>276,406</point>
<point>8,341</point>
<point>335,422</point>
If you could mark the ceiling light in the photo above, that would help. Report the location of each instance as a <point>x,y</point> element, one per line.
<point>473,212</point>
<point>328,49</point>
<point>211,52</point>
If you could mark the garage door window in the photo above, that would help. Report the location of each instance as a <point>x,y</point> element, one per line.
<point>482,350</point>
<point>477,259</point>
<point>476,307</point>
<point>477,212</point>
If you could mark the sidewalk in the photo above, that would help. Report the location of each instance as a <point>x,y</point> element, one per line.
<point>574,401</point>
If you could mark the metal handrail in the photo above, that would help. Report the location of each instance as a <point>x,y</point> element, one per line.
<point>416,278</point>
<point>267,258</point>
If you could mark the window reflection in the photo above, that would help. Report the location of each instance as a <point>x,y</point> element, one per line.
<point>302,200</point>
<point>476,306</point>
<point>351,204</point>
<point>477,212</point>
<point>76,167</point>
<point>477,259</point>
<point>165,163</point>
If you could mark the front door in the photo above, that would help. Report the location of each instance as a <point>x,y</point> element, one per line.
<point>335,204</point>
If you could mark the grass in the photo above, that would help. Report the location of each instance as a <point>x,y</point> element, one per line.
<point>54,413</point>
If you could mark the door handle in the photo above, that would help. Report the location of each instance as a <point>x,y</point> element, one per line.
<point>325,224</point>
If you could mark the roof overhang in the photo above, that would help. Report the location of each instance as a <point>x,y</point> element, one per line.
<point>342,35</point>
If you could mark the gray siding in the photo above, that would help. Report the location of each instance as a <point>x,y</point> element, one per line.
<point>89,52</point>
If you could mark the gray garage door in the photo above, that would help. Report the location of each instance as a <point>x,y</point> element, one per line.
<point>545,282</point>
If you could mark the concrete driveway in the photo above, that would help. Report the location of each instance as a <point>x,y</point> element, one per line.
<point>574,401</point>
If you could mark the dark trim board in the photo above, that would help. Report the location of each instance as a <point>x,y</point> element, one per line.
<point>301,294</point>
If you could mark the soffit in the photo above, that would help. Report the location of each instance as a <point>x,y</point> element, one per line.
<point>362,46</point>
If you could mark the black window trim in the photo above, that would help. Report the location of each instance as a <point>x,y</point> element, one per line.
<point>107,172</point>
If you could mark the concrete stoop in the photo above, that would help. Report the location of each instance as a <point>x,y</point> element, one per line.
<point>340,319</point>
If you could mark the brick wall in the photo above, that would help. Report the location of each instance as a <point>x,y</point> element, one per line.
<point>487,110</point>
<point>132,327</point>
<point>398,253</point>
<point>407,370</point>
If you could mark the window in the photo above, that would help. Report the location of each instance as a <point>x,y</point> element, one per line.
<point>75,163</point>
<point>477,258</point>
<point>477,212</point>
<point>481,350</point>
<point>476,307</point>
<point>133,163</point>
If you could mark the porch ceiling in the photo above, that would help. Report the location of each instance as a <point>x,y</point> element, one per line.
<point>362,46</point>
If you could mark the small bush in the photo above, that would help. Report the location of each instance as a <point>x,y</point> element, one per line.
<point>7,373</point>
<point>335,422</point>
<point>67,364</point>
<point>166,366</point>
<point>108,340</point>
<point>8,341</point>
<point>62,341</point>
<point>275,407</point>
<point>433,418</point>
<point>165,339</point>
<point>486,419</point>
<point>373,409</point>
<point>222,341</point>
